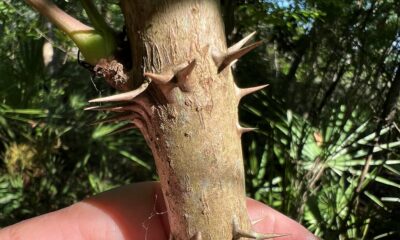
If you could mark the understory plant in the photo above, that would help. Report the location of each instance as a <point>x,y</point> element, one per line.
<point>49,157</point>
<point>313,173</point>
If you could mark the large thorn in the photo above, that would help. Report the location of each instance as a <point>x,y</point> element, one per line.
<point>258,236</point>
<point>105,108</point>
<point>238,233</point>
<point>176,76</point>
<point>127,96</point>
<point>182,72</point>
<point>225,60</point>
<point>241,92</point>
<point>233,63</point>
<point>246,130</point>
<point>236,54</point>
<point>159,78</point>
<point>242,130</point>
<point>241,43</point>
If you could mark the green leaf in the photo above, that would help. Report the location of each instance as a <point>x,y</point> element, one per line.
<point>135,159</point>
<point>390,199</point>
<point>386,182</point>
<point>375,199</point>
<point>103,130</point>
<point>27,111</point>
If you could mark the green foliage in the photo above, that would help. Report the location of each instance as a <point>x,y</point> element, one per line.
<point>50,154</point>
<point>312,173</point>
<point>331,65</point>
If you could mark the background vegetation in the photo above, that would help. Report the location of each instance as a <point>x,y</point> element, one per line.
<point>326,149</point>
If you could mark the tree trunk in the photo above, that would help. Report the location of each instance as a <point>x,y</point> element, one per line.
<point>186,106</point>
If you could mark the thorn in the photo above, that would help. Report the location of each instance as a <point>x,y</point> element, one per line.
<point>177,76</point>
<point>270,235</point>
<point>236,54</point>
<point>159,78</point>
<point>105,108</point>
<point>246,91</point>
<point>238,234</point>
<point>258,236</point>
<point>117,118</point>
<point>224,60</point>
<point>93,108</point>
<point>241,43</point>
<point>197,236</point>
<point>122,129</point>
<point>182,72</point>
<point>233,63</point>
<point>246,130</point>
<point>127,96</point>
<point>242,130</point>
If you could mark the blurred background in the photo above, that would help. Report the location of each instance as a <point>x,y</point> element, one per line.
<point>326,152</point>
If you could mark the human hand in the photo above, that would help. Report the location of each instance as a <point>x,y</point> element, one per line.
<point>132,212</point>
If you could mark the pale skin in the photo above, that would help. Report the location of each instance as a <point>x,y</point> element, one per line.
<point>132,212</point>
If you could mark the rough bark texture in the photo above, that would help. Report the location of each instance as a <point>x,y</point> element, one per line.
<point>187,109</point>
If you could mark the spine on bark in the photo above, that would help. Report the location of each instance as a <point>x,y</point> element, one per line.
<point>186,105</point>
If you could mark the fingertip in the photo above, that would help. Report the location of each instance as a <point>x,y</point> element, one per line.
<point>79,221</point>
<point>134,208</point>
<point>122,213</point>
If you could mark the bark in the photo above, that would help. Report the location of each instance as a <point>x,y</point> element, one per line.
<point>187,109</point>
